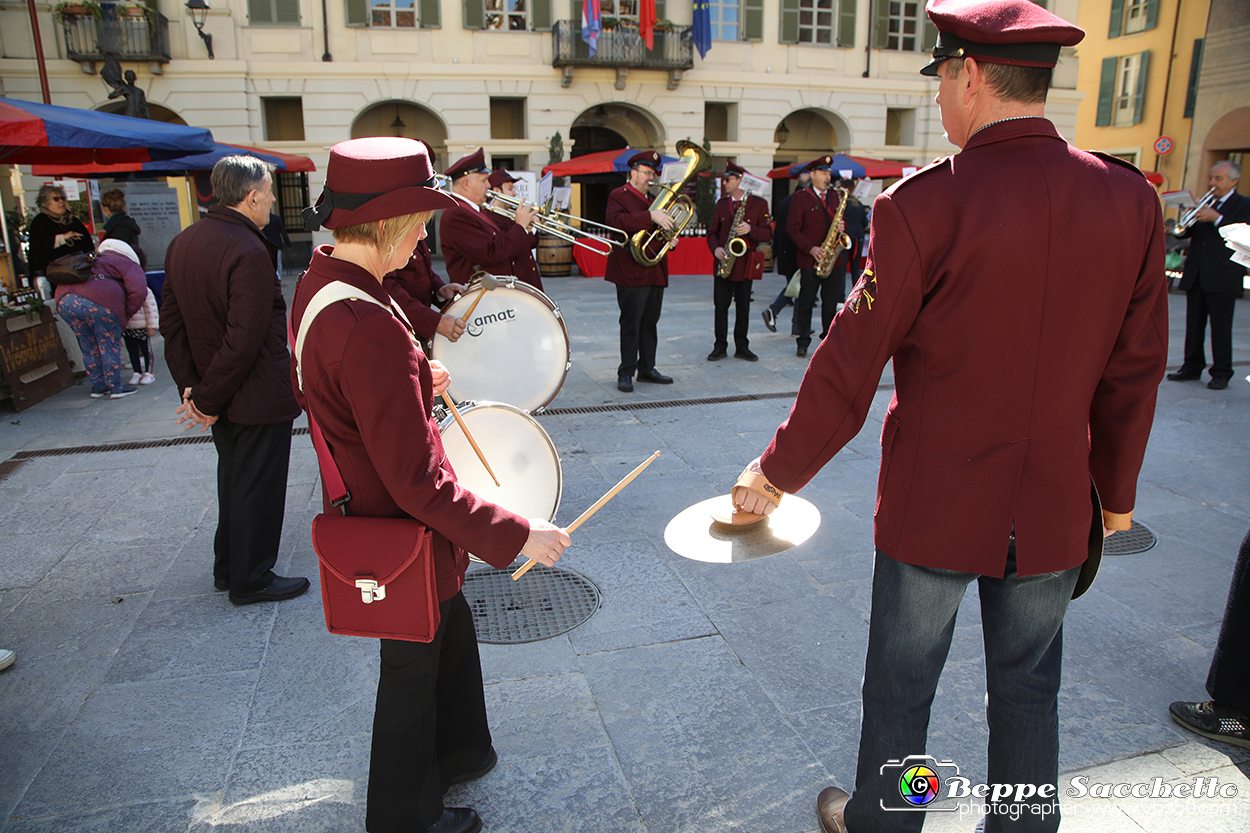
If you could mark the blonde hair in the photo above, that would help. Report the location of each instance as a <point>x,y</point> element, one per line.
<point>375,235</point>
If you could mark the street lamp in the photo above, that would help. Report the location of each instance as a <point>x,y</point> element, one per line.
<point>199,14</point>
<point>398,126</point>
<point>782,133</point>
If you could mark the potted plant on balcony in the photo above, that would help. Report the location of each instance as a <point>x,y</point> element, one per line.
<point>77,8</point>
<point>131,9</point>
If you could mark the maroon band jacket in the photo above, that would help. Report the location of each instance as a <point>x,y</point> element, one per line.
<point>751,265</point>
<point>470,238</point>
<point>414,287</point>
<point>808,222</point>
<point>1026,351</point>
<point>629,210</point>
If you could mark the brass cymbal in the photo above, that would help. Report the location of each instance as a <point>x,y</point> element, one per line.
<point>694,533</point>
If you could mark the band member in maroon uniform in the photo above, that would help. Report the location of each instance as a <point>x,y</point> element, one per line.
<point>811,212</point>
<point>470,237</point>
<point>419,291</point>
<point>1011,395</point>
<point>639,289</point>
<point>755,228</point>
<point>502,182</point>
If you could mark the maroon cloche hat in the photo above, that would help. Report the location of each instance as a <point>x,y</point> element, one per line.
<point>474,163</point>
<point>647,157</point>
<point>499,177</point>
<point>734,169</point>
<point>1016,32</point>
<point>375,178</point>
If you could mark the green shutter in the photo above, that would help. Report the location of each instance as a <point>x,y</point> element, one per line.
<point>930,35</point>
<point>752,20</point>
<point>846,24</point>
<point>880,35</point>
<point>577,17</point>
<point>1139,97</point>
<point>356,12</point>
<point>1152,14</point>
<point>474,14</point>
<point>789,21</point>
<point>430,15</point>
<point>540,15</point>
<point>661,10</point>
<point>1195,67</point>
<point>1117,19</point>
<point>259,11</point>
<point>1106,92</point>
<point>287,11</point>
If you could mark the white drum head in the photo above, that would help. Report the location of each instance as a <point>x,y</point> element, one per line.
<point>515,348</point>
<point>519,452</point>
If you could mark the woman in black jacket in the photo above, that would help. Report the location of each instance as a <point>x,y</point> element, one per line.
<point>55,231</point>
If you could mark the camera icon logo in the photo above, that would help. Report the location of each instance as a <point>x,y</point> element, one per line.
<point>919,780</point>
<point>919,785</point>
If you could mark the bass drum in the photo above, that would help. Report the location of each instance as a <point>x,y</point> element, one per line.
<point>515,348</point>
<point>519,451</point>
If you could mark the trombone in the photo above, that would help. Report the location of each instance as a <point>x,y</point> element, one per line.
<point>556,223</point>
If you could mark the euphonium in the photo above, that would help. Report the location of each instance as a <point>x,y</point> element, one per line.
<point>1191,216</point>
<point>736,247</point>
<point>671,202</point>
<point>835,241</point>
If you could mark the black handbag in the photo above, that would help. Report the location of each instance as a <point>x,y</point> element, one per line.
<point>70,269</point>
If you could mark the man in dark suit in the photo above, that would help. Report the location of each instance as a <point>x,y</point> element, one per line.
<point>639,289</point>
<point>1009,399</point>
<point>1212,280</point>
<point>811,213</point>
<point>784,256</point>
<point>754,229</point>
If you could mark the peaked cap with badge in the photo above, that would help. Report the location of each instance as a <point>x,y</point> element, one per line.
<point>1016,32</point>
<point>647,157</point>
<point>474,163</point>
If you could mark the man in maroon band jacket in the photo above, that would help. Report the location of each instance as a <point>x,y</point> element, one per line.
<point>639,289</point>
<point>811,213</point>
<point>1027,355</point>
<point>755,228</point>
<point>470,237</point>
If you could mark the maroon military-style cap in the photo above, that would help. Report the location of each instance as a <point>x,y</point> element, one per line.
<point>1016,32</point>
<point>474,163</point>
<point>820,163</point>
<point>373,179</point>
<point>499,177</point>
<point>647,157</point>
<point>734,169</point>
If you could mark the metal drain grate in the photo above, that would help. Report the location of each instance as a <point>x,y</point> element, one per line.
<point>545,602</point>
<point>9,467</point>
<point>1137,539</point>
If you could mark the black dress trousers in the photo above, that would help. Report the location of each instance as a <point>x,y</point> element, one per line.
<point>252,464</point>
<point>429,725</point>
<point>1218,307</point>
<point>739,292</point>
<point>830,290</point>
<point>640,313</point>
<point>1228,682</point>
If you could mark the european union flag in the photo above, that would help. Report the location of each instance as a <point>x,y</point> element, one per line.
<point>702,29</point>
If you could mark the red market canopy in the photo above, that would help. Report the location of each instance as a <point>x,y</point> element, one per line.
<point>191,162</point>
<point>32,133</point>
<point>604,162</point>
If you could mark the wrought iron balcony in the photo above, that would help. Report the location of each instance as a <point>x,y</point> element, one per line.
<point>142,37</point>
<point>622,50</point>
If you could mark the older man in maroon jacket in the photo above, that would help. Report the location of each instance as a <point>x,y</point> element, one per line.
<point>1017,382</point>
<point>224,322</point>
<point>639,289</point>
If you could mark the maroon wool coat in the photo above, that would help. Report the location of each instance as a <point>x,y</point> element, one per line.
<point>470,238</point>
<point>224,320</point>
<point>629,210</point>
<point>808,222</point>
<point>368,386</point>
<point>720,232</point>
<point>414,287</point>
<point>1026,351</point>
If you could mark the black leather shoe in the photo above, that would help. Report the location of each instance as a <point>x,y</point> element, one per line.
<point>746,354</point>
<point>458,820</point>
<point>221,584</point>
<point>800,352</point>
<point>487,765</point>
<point>829,807</point>
<point>1217,384</point>
<point>625,384</point>
<point>717,354</point>
<point>280,589</point>
<point>1183,376</point>
<point>770,320</point>
<point>654,376</point>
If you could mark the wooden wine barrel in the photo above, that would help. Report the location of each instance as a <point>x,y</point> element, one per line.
<point>767,248</point>
<point>555,257</point>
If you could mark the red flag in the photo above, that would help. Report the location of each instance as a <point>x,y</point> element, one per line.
<point>646,22</point>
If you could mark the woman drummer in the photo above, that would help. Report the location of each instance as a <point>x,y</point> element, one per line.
<point>370,389</point>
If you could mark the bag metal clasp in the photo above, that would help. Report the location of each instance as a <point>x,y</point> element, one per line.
<point>370,590</point>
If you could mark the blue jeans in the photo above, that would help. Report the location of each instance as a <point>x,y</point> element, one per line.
<point>913,619</point>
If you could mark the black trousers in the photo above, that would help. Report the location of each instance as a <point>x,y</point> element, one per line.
<point>739,292</point>
<point>140,350</point>
<point>640,313</point>
<point>252,463</point>
<point>830,290</point>
<point>1228,682</point>
<point>1219,307</point>
<point>429,725</point>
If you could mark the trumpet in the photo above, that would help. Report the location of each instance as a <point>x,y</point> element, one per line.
<point>676,205</point>
<point>555,223</point>
<point>1191,216</point>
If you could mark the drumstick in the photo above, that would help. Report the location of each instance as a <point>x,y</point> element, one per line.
<point>488,282</point>
<point>469,437</point>
<point>625,481</point>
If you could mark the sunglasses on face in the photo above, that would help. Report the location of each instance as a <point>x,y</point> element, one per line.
<point>55,198</point>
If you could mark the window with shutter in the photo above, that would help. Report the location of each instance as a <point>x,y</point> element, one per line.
<point>474,14</point>
<point>1139,92</point>
<point>541,16</point>
<point>356,12</point>
<point>789,21</point>
<point>753,20</point>
<point>273,12</point>
<point>393,14</point>
<point>1129,88</point>
<point>430,16</point>
<point>1191,91</point>
<point>1116,27</point>
<point>724,18</point>
<point>1106,92</point>
<point>846,23</point>
<point>260,12</point>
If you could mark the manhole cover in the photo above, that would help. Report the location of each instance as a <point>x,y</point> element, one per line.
<point>1134,540</point>
<point>545,602</point>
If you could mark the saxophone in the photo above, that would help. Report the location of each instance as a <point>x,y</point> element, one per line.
<point>835,242</point>
<point>736,247</point>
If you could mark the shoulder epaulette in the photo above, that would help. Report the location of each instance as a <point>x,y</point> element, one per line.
<point>936,163</point>
<point>1106,157</point>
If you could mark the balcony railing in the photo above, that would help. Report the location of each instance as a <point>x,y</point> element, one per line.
<point>143,37</point>
<point>623,50</point>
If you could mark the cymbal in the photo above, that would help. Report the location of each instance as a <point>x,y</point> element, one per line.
<point>694,534</point>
